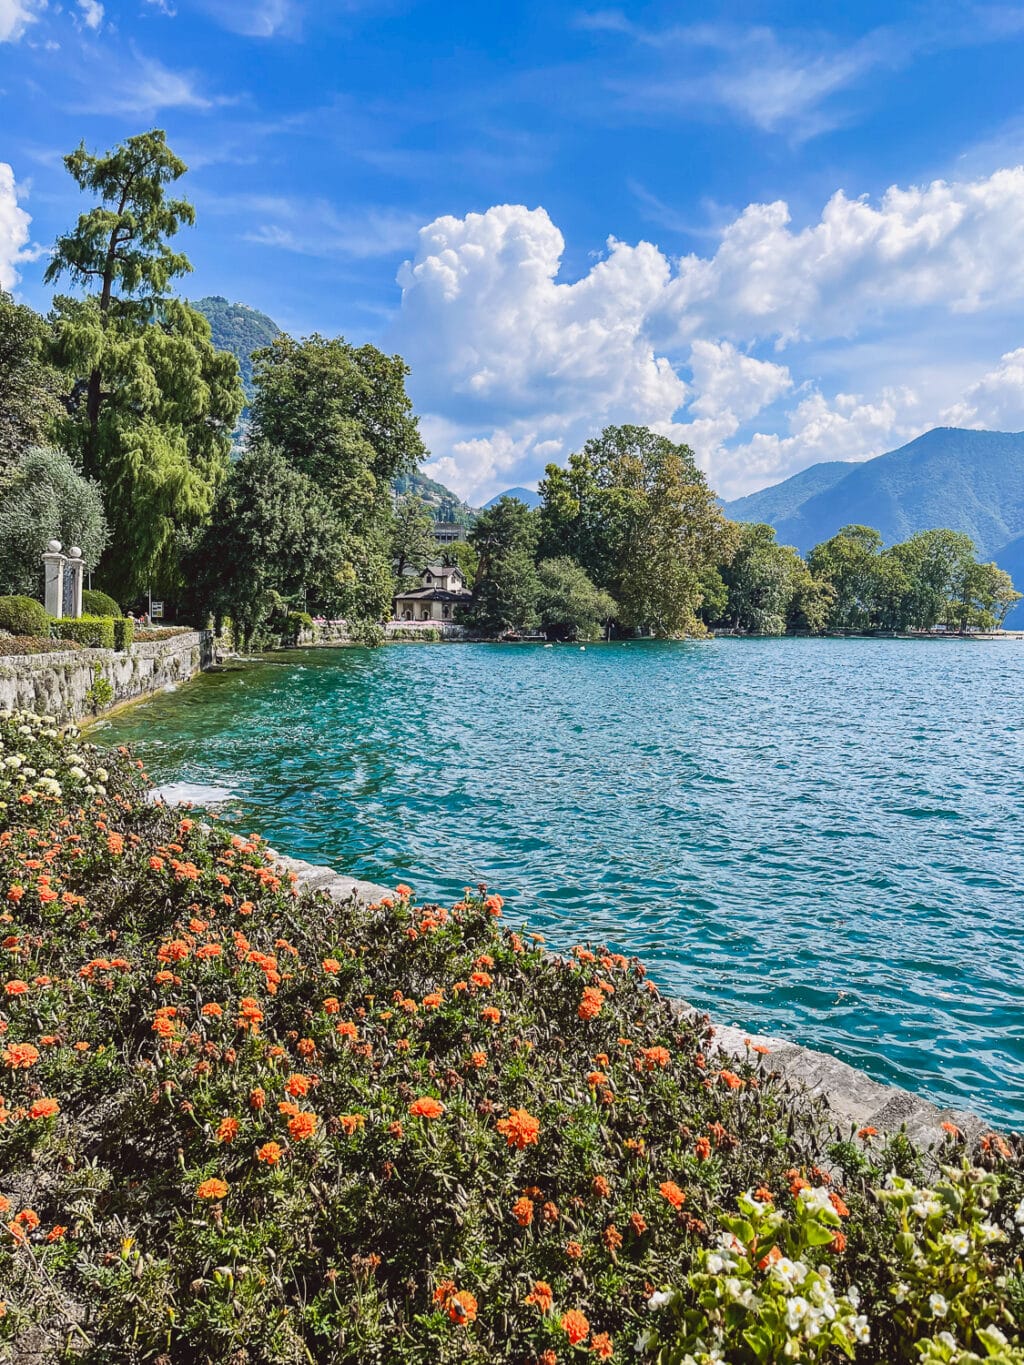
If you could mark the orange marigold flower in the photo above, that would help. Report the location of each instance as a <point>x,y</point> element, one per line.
<point>351,1123</point>
<point>702,1148</point>
<point>44,1109</point>
<point>20,1056</point>
<point>212,1010</point>
<point>212,1189</point>
<point>765,1195</point>
<point>867,1132</point>
<point>481,979</point>
<point>434,1000</point>
<point>28,1218</point>
<point>590,1005</point>
<point>522,1211</point>
<point>331,965</point>
<point>550,1212</point>
<point>332,1005</point>
<point>838,1243</point>
<point>270,1152</point>
<point>612,1237</point>
<point>951,1129</point>
<point>671,1191</point>
<point>444,1292</point>
<point>601,1345</point>
<point>796,1182</point>
<point>15,893</point>
<point>402,890</point>
<point>597,1078</point>
<point>638,1223</point>
<point>573,1250</point>
<point>16,988</point>
<point>462,1307</point>
<point>839,1206</point>
<point>297,1084</point>
<point>346,1029</point>
<point>541,1296</point>
<point>575,1326</point>
<point>257,1098</point>
<point>655,1057</point>
<point>302,1126</point>
<point>547,1358</point>
<point>56,1233</point>
<point>601,1187</point>
<point>227,1130</point>
<point>493,905</point>
<point>426,1107</point>
<point>733,1081</point>
<point>49,1040</point>
<point>520,1129</point>
<point>490,1015</point>
<point>209,950</point>
<point>479,1059</point>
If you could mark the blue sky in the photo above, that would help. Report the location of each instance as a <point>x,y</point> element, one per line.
<point>782,233</point>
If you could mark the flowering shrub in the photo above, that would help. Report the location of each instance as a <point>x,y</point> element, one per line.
<point>242,1124</point>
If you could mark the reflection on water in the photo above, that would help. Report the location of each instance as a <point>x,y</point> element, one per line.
<point>820,839</point>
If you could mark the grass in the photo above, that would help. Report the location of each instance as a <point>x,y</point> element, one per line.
<point>243,1124</point>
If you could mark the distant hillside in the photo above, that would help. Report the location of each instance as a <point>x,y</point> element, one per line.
<point>970,481</point>
<point>444,505</point>
<point>784,500</point>
<point>527,495</point>
<point>1011,558</point>
<point>239,329</point>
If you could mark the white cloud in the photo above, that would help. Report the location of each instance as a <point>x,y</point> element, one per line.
<point>92,14</point>
<point>254,18</point>
<point>996,400</point>
<point>145,88</point>
<point>725,380</point>
<point>14,229</point>
<point>15,17</point>
<point>950,245</point>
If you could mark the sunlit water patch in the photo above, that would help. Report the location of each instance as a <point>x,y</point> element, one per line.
<point>818,839</point>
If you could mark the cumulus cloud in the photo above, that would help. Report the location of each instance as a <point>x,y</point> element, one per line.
<point>996,400</point>
<point>15,17</point>
<point>14,229</point>
<point>92,14</point>
<point>739,352</point>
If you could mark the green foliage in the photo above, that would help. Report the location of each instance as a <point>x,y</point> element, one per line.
<point>96,603</point>
<point>369,633</point>
<point>507,587</point>
<point>237,328</point>
<point>412,537</point>
<point>124,633</point>
<point>29,387</point>
<point>636,513</point>
<point>761,581</point>
<point>569,605</point>
<point>23,616</point>
<point>465,556</point>
<point>478,1146</point>
<point>97,632</point>
<point>151,404</point>
<point>273,536</point>
<point>47,499</point>
<point>299,621</point>
<point>101,693</point>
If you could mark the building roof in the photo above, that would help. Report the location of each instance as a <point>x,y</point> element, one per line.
<point>442,570</point>
<point>433,595</point>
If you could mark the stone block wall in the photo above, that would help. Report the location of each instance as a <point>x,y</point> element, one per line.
<point>56,684</point>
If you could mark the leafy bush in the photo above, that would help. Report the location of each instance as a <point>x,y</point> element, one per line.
<point>245,1124</point>
<point>297,622</point>
<point>47,498</point>
<point>370,633</point>
<point>95,631</point>
<point>124,633</point>
<point>11,645</point>
<point>96,603</point>
<point>100,694</point>
<point>23,616</point>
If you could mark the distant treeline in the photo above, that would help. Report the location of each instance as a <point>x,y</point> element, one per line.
<point>629,537</point>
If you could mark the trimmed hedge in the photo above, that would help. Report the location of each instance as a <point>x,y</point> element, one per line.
<point>94,631</point>
<point>96,603</point>
<point>24,616</point>
<point>124,633</point>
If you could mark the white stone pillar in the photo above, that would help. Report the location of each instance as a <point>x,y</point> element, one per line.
<point>53,568</point>
<point>77,566</point>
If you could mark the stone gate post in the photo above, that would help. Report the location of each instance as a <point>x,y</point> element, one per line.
<point>53,568</point>
<point>77,566</point>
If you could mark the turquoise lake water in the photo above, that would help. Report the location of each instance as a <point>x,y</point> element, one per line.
<point>817,839</point>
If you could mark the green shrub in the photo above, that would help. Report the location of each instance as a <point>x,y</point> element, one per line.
<point>369,633</point>
<point>96,603</point>
<point>94,631</point>
<point>297,622</point>
<point>23,616</point>
<point>124,633</point>
<point>100,694</point>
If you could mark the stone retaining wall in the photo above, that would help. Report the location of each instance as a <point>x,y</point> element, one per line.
<point>56,684</point>
<point>853,1098</point>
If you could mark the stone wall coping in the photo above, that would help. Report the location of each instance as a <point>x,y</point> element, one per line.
<point>146,649</point>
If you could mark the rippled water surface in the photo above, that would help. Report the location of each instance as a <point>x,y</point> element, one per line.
<point>820,839</point>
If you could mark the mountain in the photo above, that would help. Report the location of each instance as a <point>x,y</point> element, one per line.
<point>239,329</point>
<point>970,481</point>
<point>444,505</point>
<point>527,495</point>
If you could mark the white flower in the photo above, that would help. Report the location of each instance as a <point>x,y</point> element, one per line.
<point>796,1310</point>
<point>960,1243</point>
<point>938,1305</point>
<point>15,761</point>
<point>101,774</point>
<point>900,1292</point>
<point>816,1200</point>
<point>714,1264</point>
<point>661,1298</point>
<point>991,1233</point>
<point>1018,1214</point>
<point>861,1330</point>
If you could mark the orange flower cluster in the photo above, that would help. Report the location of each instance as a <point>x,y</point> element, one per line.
<point>591,1003</point>
<point>426,1107</point>
<point>520,1129</point>
<point>212,1189</point>
<point>459,1304</point>
<point>671,1191</point>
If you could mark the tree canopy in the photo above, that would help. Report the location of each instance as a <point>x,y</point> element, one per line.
<point>47,499</point>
